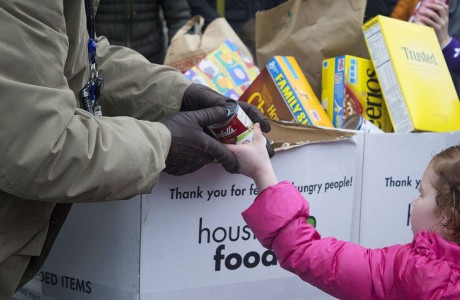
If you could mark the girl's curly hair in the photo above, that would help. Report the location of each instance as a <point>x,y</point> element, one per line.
<point>446,167</point>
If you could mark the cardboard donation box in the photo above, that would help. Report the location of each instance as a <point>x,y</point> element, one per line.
<point>207,251</point>
<point>187,239</point>
<point>393,168</point>
<point>282,92</point>
<point>413,74</point>
<point>226,70</point>
<point>349,87</point>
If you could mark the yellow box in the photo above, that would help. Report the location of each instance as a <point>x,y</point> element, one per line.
<point>350,86</point>
<point>281,92</point>
<point>416,83</point>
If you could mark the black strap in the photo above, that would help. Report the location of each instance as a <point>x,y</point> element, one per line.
<point>57,218</point>
<point>90,18</point>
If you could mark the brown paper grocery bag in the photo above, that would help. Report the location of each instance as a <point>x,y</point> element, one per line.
<point>311,31</point>
<point>190,45</point>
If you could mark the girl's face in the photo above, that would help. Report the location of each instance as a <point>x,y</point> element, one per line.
<point>423,215</point>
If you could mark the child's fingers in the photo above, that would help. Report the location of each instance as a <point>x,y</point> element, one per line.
<point>233,148</point>
<point>258,137</point>
<point>257,140</point>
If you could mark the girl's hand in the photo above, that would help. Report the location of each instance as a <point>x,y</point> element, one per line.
<point>253,160</point>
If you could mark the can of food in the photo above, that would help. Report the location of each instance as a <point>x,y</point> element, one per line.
<point>237,128</point>
<point>358,122</point>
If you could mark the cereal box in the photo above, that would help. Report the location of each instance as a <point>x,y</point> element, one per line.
<point>226,70</point>
<point>281,92</point>
<point>416,83</point>
<point>350,86</point>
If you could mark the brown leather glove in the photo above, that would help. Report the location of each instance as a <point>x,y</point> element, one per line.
<point>191,148</point>
<point>198,96</point>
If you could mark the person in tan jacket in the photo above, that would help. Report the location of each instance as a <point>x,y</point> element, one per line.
<point>54,153</point>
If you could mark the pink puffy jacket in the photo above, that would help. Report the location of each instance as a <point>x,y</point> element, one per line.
<point>427,268</point>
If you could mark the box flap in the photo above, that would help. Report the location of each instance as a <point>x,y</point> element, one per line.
<point>287,135</point>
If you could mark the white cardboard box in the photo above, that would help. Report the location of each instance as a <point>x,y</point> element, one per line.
<point>393,167</point>
<point>180,243</point>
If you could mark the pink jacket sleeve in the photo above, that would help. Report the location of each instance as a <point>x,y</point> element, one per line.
<point>342,269</point>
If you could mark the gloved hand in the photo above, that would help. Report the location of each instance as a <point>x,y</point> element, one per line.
<point>198,96</point>
<point>191,148</point>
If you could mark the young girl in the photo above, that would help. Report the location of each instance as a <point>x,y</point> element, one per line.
<point>427,268</point>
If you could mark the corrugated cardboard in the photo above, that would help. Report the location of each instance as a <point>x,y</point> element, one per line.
<point>287,135</point>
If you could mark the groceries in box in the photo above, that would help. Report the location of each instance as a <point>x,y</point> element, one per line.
<point>282,92</point>
<point>350,87</point>
<point>416,83</point>
<point>226,70</point>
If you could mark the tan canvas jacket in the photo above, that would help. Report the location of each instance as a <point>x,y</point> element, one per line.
<point>51,151</point>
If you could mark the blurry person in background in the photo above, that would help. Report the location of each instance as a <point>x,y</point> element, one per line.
<point>145,26</point>
<point>378,7</point>
<point>403,9</point>
<point>205,9</point>
<point>436,15</point>
<point>240,14</point>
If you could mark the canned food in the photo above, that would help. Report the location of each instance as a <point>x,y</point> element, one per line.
<point>237,128</point>
<point>358,122</point>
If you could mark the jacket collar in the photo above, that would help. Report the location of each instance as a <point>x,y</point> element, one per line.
<point>434,246</point>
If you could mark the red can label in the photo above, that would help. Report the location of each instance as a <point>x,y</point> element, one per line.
<point>237,128</point>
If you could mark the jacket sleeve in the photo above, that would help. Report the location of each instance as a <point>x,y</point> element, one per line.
<point>342,269</point>
<point>452,55</point>
<point>176,14</point>
<point>135,87</point>
<point>51,150</point>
